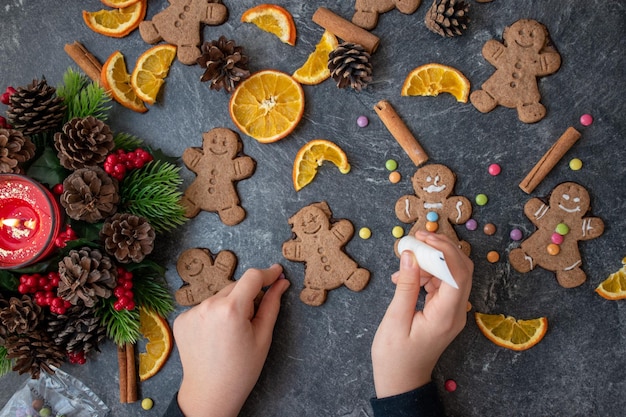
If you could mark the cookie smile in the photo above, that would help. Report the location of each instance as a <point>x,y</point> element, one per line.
<point>217,153</point>
<point>521,45</point>
<point>312,232</point>
<point>568,210</point>
<point>434,188</point>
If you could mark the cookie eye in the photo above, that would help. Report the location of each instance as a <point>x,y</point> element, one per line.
<point>566,197</point>
<point>576,200</point>
<point>437,179</point>
<point>428,179</point>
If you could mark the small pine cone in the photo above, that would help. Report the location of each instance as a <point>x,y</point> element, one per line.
<point>83,142</point>
<point>36,108</point>
<point>225,64</point>
<point>128,237</point>
<point>20,316</point>
<point>90,195</point>
<point>86,276</point>
<point>78,330</point>
<point>15,148</point>
<point>33,352</point>
<point>447,18</point>
<point>350,65</point>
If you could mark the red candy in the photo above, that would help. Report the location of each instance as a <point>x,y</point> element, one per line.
<point>494,169</point>
<point>450,385</point>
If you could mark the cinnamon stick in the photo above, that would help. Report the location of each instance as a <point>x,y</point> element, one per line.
<point>401,132</point>
<point>131,374</point>
<point>121,362</point>
<point>85,60</point>
<point>345,29</point>
<point>549,160</point>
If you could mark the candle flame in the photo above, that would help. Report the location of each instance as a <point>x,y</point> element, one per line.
<point>11,222</point>
<point>30,224</point>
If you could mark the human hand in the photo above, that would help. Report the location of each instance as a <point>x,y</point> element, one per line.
<point>408,343</point>
<point>223,344</point>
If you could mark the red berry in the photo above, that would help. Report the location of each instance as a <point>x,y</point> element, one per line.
<point>127,285</point>
<point>3,123</point>
<point>119,292</point>
<point>58,189</point>
<point>57,302</point>
<point>32,282</point>
<point>22,289</point>
<point>130,306</point>
<point>128,275</point>
<point>117,306</point>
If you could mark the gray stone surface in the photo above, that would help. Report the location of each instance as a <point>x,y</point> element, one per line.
<point>319,364</point>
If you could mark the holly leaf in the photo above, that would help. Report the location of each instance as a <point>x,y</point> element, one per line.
<point>8,281</point>
<point>47,168</point>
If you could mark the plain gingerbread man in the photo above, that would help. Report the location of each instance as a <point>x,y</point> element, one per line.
<point>569,202</point>
<point>218,167</point>
<point>181,23</point>
<point>524,56</point>
<point>319,244</point>
<point>203,275</point>
<point>433,185</point>
<point>367,11</point>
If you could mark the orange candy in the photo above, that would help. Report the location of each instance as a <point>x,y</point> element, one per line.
<point>493,256</point>
<point>553,249</point>
<point>432,226</point>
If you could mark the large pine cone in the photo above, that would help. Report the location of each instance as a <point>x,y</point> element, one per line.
<point>90,195</point>
<point>86,276</point>
<point>225,64</point>
<point>350,66</point>
<point>78,330</point>
<point>36,108</point>
<point>83,142</point>
<point>447,17</point>
<point>128,237</point>
<point>15,148</point>
<point>20,316</point>
<point>33,352</point>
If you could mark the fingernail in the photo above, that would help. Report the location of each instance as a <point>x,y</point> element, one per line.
<point>281,276</point>
<point>407,259</point>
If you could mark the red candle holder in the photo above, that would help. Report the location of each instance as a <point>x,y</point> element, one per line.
<point>30,221</point>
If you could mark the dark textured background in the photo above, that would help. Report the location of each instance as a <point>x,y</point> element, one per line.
<point>319,364</point>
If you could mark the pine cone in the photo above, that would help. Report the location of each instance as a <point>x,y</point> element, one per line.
<point>447,18</point>
<point>20,316</point>
<point>33,352</point>
<point>350,65</point>
<point>225,64</point>
<point>78,330</point>
<point>36,108</point>
<point>128,237</point>
<point>83,142</point>
<point>15,148</point>
<point>90,195</point>
<point>86,276</point>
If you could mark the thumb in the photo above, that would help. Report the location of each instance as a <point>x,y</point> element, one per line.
<point>265,317</point>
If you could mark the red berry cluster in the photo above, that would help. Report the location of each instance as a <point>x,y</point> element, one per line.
<point>44,289</point>
<point>120,162</point>
<point>5,99</point>
<point>124,291</point>
<point>65,236</point>
<point>77,358</point>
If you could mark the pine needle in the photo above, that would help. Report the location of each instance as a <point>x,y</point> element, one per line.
<point>5,363</point>
<point>127,142</point>
<point>150,288</point>
<point>121,326</point>
<point>82,97</point>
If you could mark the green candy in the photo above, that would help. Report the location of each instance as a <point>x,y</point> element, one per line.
<point>391,165</point>
<point>481,199</point>
<point>562,229</point>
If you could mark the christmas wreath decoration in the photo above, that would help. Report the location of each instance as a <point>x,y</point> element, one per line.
<point>117,194</point>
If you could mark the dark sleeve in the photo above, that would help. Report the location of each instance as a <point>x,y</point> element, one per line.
<point>173,410</point>
<point>421,402</point>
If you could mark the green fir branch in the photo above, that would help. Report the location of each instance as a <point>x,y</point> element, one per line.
<point>82,97</point>
<point>153,193</point>
<point>150,288</point>
<point>121,326</point>
<point>5,363</point>
<point>127,142</point>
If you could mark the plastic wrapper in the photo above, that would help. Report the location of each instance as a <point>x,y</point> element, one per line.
<point>61,393</point>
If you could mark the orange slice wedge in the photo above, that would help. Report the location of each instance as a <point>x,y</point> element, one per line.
<point>511,333</point>
<point>614,287</point>
<point>157,331</point>
<point>116,23</point>
<point>433,79</point>
<point>116,80</point>
<point>274,19</point>
<point>150,71</point>
<point>315,69</point>
<point>311,156</point>
<point>119,4</point>
<point>267,106</point>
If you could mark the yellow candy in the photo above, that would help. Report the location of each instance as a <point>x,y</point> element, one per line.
<point>397,232</point>
<point>365,233</point>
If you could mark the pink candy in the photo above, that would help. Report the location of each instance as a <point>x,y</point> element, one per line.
<point>494,169</point>
<point>586,119</point>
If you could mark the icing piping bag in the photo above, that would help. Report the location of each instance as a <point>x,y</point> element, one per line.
<point>430,259</point>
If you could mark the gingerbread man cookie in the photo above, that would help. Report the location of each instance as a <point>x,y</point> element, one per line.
<point>181,23</point>
<point>561,224</point>
<point>218,166</point>
<point>319,243</point>
<point>203,274</point>
<point>524,55</point>
<point>433,207</point>
<point>367,11</point>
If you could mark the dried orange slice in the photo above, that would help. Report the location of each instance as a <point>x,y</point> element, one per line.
<point>274,19</point>
<point>315,69</point>
<point>116,80</point>
<point>511,333</point>
<point>157,331</point>
<point>267,106</point>
<point>311,156</point>
<point>432,79</point>
<point>119,4</point>
<point>118,22</point>
<point>150,71</point>
<point>614,287</point>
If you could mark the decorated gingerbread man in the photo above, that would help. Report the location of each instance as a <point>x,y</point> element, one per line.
<point>203,275</point>
<point>367,11</point>
<point>433,207</point>
<point>560,226</point>
<point>319,243</point>
<point>519,60</point>
<point>181,23</point>
<point>218,167</point>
